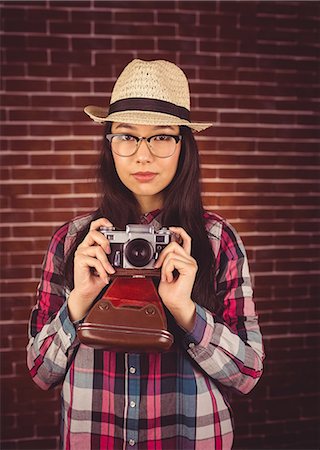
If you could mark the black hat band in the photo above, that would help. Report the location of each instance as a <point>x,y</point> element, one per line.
<point>149,104</point>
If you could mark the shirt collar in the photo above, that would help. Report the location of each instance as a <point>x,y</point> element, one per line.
<point>150,216</point>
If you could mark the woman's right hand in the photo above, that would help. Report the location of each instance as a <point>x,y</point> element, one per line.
<point>91,270</point>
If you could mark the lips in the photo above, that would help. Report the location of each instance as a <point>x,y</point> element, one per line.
<point>144,176</point>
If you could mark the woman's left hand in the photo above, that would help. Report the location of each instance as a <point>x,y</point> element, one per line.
<point>175,292</point>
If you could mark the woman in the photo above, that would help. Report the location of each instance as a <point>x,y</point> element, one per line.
<point>177,399</point>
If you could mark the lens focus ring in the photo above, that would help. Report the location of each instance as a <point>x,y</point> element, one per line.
<point>139,252</point>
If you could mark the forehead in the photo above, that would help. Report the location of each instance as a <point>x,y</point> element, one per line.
<point>144,129</point>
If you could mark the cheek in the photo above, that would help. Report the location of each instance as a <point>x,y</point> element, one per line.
<point>171,170</point>
<point>172,167</point>
<point>120,168</point>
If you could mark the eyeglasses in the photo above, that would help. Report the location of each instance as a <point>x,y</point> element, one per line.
<point>160,145</point>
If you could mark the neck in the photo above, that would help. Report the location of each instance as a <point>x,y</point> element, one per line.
<point>148,203</point>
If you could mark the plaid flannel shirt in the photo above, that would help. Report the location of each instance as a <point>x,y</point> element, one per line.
<point>176,400</point>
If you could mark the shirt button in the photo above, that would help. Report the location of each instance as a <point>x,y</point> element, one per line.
<point>69,335</point>
<point>132,369</point>
<point>192,345</point>
<point>132,404</point>
<point>132,442</point>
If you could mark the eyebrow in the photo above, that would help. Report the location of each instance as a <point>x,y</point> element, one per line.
<point>131,127</point>
<point>124,125</point>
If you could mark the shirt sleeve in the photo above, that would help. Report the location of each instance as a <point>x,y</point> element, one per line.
<point>52,335</point>
<point>229,348</point>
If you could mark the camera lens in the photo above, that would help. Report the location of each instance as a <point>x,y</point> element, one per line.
<point>139,252</point>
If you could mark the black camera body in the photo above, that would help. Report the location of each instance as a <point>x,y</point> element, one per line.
<point>138,247</point>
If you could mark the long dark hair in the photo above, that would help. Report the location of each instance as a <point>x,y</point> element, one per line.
<point>182,207</point>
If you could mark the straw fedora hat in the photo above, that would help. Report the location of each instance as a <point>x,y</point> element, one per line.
<point>149,93</point>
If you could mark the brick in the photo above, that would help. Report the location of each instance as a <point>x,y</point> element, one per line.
<point>51,188</point>
<point>223,46</point>
<point>135,17</point>
<point>198,31</point>
<point>34,258</point>
<point>69,27</point>
<point>30,145</point>
<point>84,5</point>
<point>54,216</point>
<point>94,43</point>
<point>13,40</point>
<point>14,100</point>
<point>16,216</point>
<point>135,30</point>
<point>87,129</point>
<point>66,57</point>
<point>73,145</point>
<point>288,173</point>
<point>47,14</point>
<point>94,16</point>
<point>23,26</point>
<point>84,173</point>
<point>27,85</point>
<point>177,18</point>
<point>201,5</point>
<point>50,130</point>
<point>182,45</point>
<point>52,70</point>
<point>52,101</point>
<point>103,86</point>
<point>198,60</point>
<point>209,73</point>
<point>122,59</point>
<point>51,159</point>
<point>39,444</point>
<point>46,41</point>
<point>70,86</point>
<point>75,202</point>
<point>13,70</point>
<point>286,63</point>
<point>90,71</point>
<point>34,174</point>
<point>30,56</point>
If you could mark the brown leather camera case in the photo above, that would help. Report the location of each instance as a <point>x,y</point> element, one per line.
<point>128,318</point>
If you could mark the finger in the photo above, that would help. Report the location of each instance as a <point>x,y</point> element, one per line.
<point>96,224</point>
<point>98,253</point>
<point>173,247</point>
<point>168,268</point>
<point>102,222</point>
<point>184,266</point>
<point>93,263</point>
<point>94,237</point>
<point>186,239</point>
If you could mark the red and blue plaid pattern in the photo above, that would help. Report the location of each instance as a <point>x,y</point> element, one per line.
<point>175,400</point>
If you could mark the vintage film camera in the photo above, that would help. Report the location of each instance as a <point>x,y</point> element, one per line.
<point>138,247</point>
<point>130,317</point>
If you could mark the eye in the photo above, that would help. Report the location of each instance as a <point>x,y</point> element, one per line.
<point>126,137</point>
<point>162,137</point>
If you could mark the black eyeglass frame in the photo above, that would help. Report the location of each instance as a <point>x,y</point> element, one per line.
<point>177,138</point>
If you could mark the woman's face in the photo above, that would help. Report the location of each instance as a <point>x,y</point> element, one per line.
<point>144,174</point>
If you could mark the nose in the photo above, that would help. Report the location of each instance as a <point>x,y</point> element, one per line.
<point>143,153</point>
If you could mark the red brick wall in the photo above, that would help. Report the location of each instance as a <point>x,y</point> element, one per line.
<point>253,69</point>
